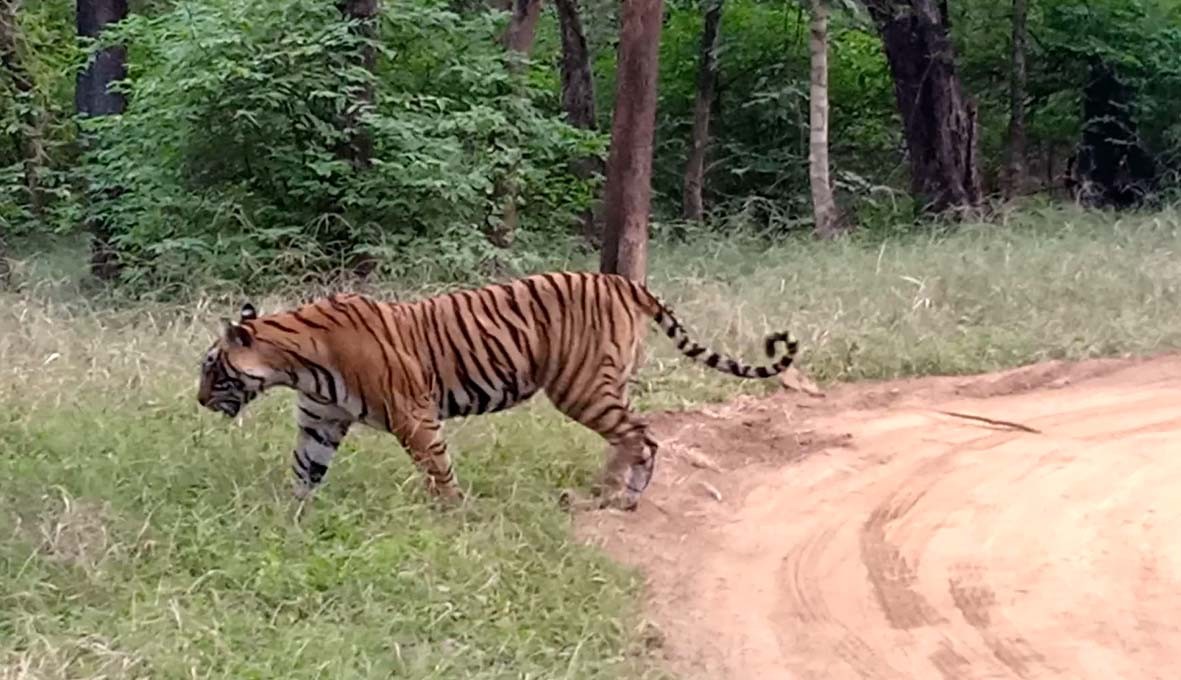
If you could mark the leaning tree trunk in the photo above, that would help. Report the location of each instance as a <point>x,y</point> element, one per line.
<point>824,207</point>
<point>578,99</point>
<point>93,97</point>
<point>692,205</point>
<point>628,194</point>
<point>1015,151</point>
<point>500,223</point>
<point>31,123</point>
<point>939,119</point>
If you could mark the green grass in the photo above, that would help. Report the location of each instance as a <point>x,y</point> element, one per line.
<point>143,537</point>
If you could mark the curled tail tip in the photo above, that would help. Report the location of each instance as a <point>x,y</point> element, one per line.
<point>772,342</point>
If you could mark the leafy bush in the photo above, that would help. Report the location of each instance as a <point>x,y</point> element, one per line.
<point>226,159</point>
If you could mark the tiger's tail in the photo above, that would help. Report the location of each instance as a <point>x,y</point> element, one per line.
<point>720,362</point>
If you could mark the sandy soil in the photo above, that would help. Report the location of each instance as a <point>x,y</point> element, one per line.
<point>866,535</point>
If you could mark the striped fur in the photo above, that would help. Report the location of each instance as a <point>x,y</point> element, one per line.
<point>406,367</point>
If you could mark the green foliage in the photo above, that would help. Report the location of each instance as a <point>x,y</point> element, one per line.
<point>758,156</point>
<point>47,57</point>
<point>227,161</point>
<point>1141,39</point>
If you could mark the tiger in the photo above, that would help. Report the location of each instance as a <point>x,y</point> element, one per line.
<point>405,367</point>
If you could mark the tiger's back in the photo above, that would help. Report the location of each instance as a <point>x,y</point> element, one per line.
<point>491,348</point>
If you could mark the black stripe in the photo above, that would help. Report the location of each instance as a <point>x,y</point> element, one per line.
<point>308,322</point>
<point>318,372</point>
<point>483,398</point>
<point>463,374</point>
<point>316,436</point>
<point>430,327</point>
<point>316,471</point>
<point>275,324</point>
<point>562,301</point>
<point>500,362</point>
<point>385,352</point>
<point>606,302</point>
<point>521,342</point>
<point>328,316</point>
<point>532,286</point>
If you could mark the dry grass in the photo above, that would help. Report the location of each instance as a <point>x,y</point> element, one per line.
<point>142,537</point>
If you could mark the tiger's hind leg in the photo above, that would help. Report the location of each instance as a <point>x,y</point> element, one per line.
<point>632,456</point>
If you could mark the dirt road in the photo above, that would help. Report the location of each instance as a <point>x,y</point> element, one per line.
<point>865,535</point>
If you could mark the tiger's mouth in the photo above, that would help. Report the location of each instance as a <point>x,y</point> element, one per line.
<point>231,406</point>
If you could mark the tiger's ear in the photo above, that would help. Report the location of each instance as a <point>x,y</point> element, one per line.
<point>248,312</point>
<point>236,335</point>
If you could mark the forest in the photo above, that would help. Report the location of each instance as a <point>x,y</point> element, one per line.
<point>255,141</point>
<point>957,206</point>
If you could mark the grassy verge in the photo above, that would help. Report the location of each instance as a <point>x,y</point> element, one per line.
<point>141,537</point>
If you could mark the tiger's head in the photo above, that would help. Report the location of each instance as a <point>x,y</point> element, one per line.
<point>236,368</point>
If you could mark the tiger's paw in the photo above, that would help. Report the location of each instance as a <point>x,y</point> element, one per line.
<point>571,501</point>
<point>620,501</point>
<point>447,496</point>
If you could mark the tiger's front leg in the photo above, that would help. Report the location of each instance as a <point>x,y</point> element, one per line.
<point>321,430</point>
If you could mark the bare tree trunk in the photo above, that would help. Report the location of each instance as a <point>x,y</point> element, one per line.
<point>500,224</point>
<point>628,194</point>
<point>93,97</point>
<point>1015,165</point>
<point>578,99</point>
<point>31,120</point>
<point>939,120</point>
<point>692,205</point>
<point>824,207</point>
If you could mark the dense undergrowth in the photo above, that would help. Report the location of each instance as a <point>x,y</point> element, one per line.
<point>143,537</point>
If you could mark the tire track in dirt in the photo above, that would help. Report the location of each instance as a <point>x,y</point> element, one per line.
<point>860,541</point>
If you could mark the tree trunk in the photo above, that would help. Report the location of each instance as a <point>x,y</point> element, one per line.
<point>824,208</point>
<point>93,97</point>
<point>522,26</point>
<point>578,99</point>
<point>1015,163</point>
<point>31,119</point>
<point>938,119</point>
<point>1111,166</point>
<point>692,205</point>
<point>628,194</point>
<point>5,266</point>
<point>357,146</point>
<point>500,224</point>
<point>358,149</point>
